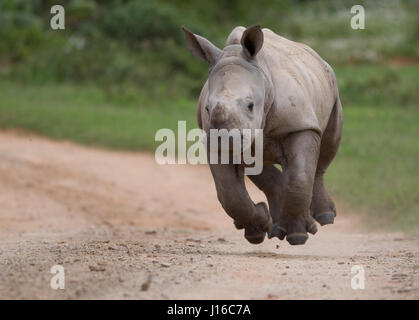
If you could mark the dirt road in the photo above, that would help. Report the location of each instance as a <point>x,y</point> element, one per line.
<point>124,227</point>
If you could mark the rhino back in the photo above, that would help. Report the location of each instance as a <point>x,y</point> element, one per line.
<point>304,85</point>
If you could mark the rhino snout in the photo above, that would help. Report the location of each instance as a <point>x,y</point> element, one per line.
<point>218,116</point>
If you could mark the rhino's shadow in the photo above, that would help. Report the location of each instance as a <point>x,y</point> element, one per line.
<point>271,255</point>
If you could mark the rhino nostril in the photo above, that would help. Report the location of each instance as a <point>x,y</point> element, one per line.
<point>207,108</point>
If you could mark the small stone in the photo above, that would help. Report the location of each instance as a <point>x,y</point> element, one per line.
<point>96,269</point>
<point>404,290</point>
<point>146,285</point>
<point>193,240</point>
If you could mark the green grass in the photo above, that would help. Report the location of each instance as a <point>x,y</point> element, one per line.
<point>87,115</point>
<point>376,167</point>
<point>375,170</point>
<point>376,85</point>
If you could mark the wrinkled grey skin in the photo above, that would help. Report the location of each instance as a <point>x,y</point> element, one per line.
<point>263,81</point>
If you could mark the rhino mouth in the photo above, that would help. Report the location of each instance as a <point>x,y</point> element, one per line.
<point>227,147</point>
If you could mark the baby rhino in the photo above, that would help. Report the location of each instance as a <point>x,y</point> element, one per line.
<point>261,80</point>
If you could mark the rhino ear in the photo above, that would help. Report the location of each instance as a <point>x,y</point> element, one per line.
<point>201,47</point>
<point>252,40</point>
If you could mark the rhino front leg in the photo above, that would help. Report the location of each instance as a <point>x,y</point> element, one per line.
<point>301,152</point>
<point>233,196</point>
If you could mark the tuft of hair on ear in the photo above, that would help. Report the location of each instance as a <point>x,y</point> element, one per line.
<point>252,40</point>
<point>186,30</point>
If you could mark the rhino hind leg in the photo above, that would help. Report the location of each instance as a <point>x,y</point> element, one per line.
<point>322,207</point>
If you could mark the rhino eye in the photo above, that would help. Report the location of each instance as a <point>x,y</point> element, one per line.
<point>250,106</point>
<point>207,108</point>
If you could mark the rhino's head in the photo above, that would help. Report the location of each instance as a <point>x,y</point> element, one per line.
<point>236,85</point>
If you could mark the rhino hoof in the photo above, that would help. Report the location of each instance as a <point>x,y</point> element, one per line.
<point>277,232</point>
<point>297,238</point>
<point>282,233</point>
<point>274,232</point>
<point>254,235</point>
<point>238,225</point>
<point>325,218</point>
<point>255,238</point>
<point>312,228</point>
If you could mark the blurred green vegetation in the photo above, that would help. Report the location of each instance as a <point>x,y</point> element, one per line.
<point>88,115</point>
<point>121,44</point>
<point>376,167</point>
<point>121,70</point>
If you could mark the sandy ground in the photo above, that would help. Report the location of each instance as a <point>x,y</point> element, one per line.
<point>124,227</point>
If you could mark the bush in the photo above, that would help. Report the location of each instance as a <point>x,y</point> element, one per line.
<point>121,44</point>
<point>140,21</point>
